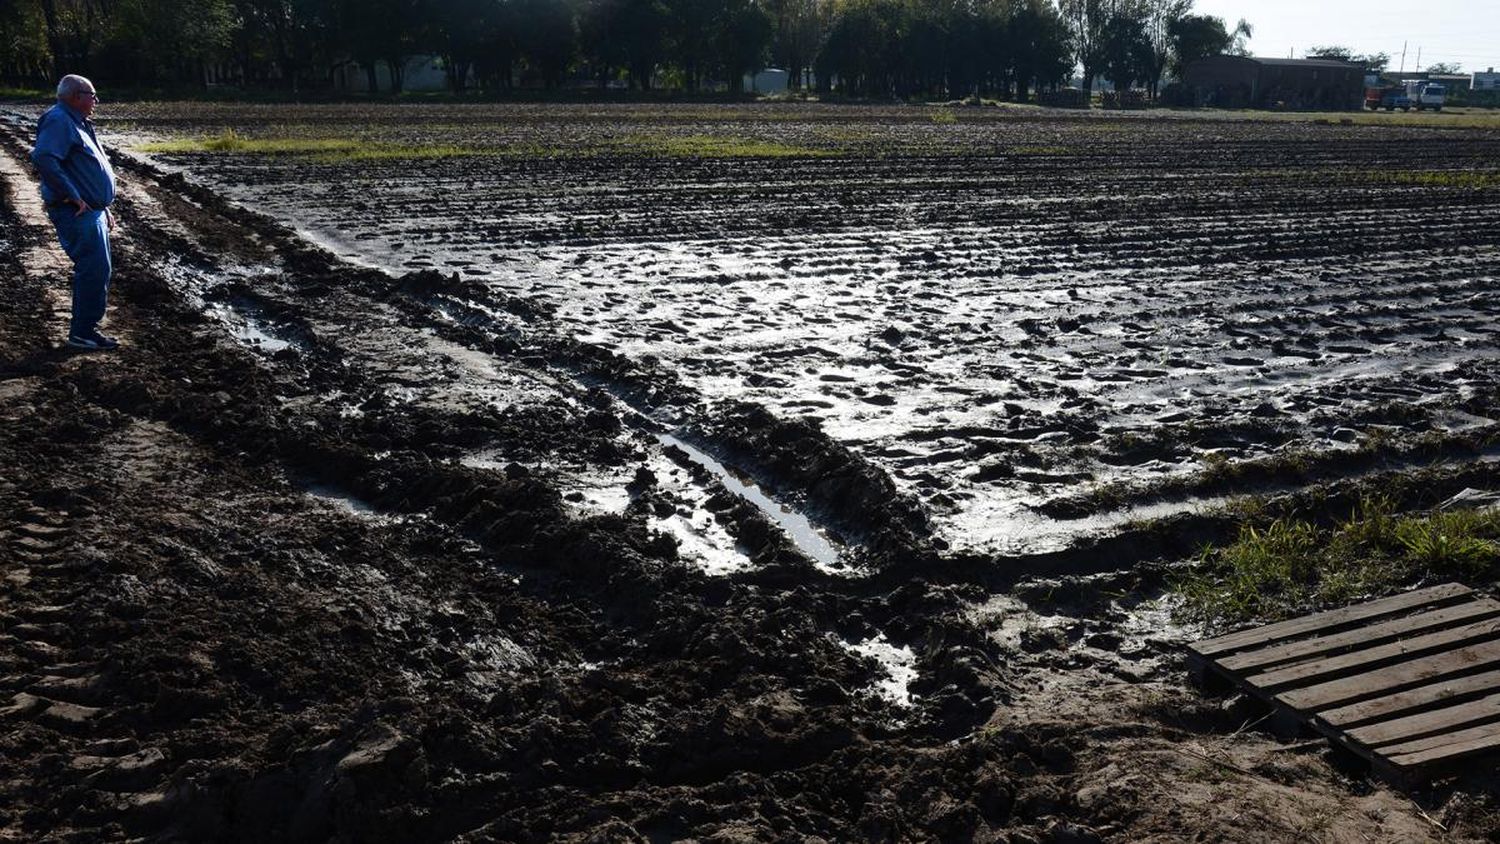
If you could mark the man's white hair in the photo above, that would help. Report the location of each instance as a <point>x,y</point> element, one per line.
<point>71,84</point>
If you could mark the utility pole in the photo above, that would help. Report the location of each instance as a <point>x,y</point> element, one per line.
<point>1403,58</point>
<point>1418,68</point>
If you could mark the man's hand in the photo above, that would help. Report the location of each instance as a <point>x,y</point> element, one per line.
<point>83,207</point>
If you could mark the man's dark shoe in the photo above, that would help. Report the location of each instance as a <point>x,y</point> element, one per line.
<point>93,341</point>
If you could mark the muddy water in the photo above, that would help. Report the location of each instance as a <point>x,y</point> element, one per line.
<point>1035,352</point>
<point>798,527</point>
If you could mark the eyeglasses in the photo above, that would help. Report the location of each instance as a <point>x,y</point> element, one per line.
<point>89,94</point>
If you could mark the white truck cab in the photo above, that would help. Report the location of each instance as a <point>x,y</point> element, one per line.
<point>1425,94</point>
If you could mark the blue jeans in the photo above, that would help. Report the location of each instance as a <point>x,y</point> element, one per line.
<point>85,237</point>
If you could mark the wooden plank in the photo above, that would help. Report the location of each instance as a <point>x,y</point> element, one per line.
<point>1364,636</point>
<point>1390,706</point>
<point>1435,749</point>
<point>1395,678</point>
<point>1407,765</point>
<point>1412,683</point>
<point>1325,621</point>
<point>1446,720</point>
<point>1313,672</point>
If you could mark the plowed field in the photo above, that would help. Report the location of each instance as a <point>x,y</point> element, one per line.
<point>730,472</point>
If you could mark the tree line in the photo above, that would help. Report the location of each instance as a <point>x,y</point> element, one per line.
<point>866,48</point>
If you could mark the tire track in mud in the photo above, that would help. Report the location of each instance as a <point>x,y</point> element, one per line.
<point>532,350</point>
<point>845,492</point>
<point>760,628</point>
<point>1012,337</point>
<point>54,682</point>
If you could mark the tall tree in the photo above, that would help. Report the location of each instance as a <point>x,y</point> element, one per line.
<point>1087,21</point>
<point>548,37</point>
<point>1195,37</point>
<point>742,36</point>
<point>692,25</point>
<point>922,47</point>
<point>294,30</point>
<point>24,58</point>
<point>1240,36</point>
<point>500,46</point>
<point>862,48</point>
<point>462,30</point>
<point>74,31</point>
<point>1161,15</point>
<point>389,32</point>
<point>1039,44</point>
<point>1126,46</point>
<point>168,40</point>
<point>800,25</point>
<point>629,34</point>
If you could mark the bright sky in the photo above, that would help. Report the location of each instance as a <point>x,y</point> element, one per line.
<point>1462,31</point>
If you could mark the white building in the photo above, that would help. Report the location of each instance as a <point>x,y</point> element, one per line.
<point>422,74</point>
<point>769,81</point>
<point>1489,80</point>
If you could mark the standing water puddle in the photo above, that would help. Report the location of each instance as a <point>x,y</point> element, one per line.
<point>900,665</point>
<point>247,329</point>
<point>797,526</point>
<point>345,502</point>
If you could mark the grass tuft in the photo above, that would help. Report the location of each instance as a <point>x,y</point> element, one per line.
<point>13,93</point>
<point>1442,178</point>
<point>1291,565</point>
<point>325,150</point>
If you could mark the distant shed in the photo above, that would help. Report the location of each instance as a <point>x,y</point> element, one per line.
<point>1249,82</point>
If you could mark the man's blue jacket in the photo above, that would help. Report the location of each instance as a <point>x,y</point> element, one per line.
<point>70,160</point>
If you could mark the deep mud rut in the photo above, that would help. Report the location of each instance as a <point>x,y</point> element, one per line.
<point>327,552</point>
<point>1038,329</point>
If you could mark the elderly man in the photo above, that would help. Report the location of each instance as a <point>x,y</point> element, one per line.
<point>78,186</point>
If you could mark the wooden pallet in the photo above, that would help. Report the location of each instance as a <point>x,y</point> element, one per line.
<point>1411,683</point>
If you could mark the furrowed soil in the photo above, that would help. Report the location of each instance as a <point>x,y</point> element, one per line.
<point>513,473</point>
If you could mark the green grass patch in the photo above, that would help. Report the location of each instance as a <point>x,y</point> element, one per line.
<point>350,149</point>
<point>327,150</point>
<point>10,93</point>
<point>1284,568</point>
<point>1473,179</point>
<point>1442,178</point>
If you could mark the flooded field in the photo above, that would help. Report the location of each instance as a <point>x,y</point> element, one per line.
<point>761,472</point>
<point>1040,328</point>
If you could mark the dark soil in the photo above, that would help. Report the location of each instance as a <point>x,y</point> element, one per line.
<point>258,584</point>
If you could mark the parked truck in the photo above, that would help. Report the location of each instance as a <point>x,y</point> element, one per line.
<point>1424,94</point>
<point>1390,98</point>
